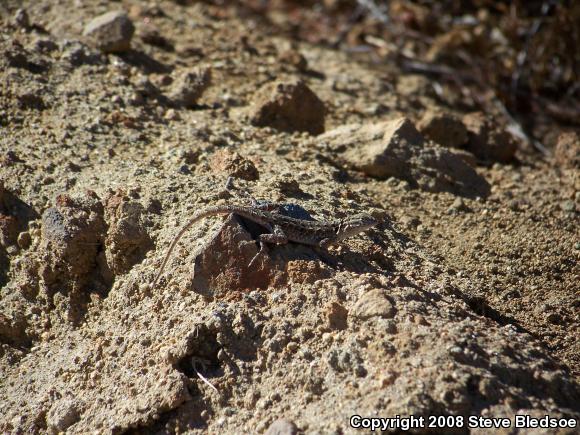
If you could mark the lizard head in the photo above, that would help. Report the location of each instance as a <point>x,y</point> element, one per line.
<point>354,224</point>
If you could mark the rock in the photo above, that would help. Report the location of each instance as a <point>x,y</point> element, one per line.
<point>567,152</point>
<point>221,267</point>
<point>288,106</point>
<point>62,415</point>
<point>396,149</point>
<point>374,303</point>
<point>111,32</point>
<point>21,18</point>
<point>76,54</point>
<point>234,165</point>
<point>487,141</point>
<point>457,206</point>
<point>24,240</point>
<point>336,316</point>
<point>282,427</point>
<point>189,86</point>
<point>8,230</point>
<point>443,128</point>
<point>127,239</point>
<point>72,235</point>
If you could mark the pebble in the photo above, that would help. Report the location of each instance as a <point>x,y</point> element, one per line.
<point>111,32</point>
<point>282,427</point>
<point>24,240</point>
<point>374,303</point>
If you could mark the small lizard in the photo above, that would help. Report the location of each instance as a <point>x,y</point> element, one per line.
<point>282,229</point>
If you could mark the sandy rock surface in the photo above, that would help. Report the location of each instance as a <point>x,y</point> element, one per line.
<point>463,300</point>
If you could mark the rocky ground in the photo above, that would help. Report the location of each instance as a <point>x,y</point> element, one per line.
<point>115,129</point>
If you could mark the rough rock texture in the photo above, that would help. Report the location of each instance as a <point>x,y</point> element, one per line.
<point>127,240</point>
<point>110,32</point>
<point>288,106</point>
<point>443,128</point>
<point>72,236</point>
<point>189,86</point>
<point>488,141</point>
<point>567,152</point>
<point>233,164</point>
<point>396,149</point>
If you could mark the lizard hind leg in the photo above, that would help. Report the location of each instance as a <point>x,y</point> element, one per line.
<point>277,237</point>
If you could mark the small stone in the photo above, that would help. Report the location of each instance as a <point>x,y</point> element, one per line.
<point>444,129</point>
<point>567,152</point>
<point>234,165</point>
<point>62,415</point>
<point>171,115</point>
<point>568,206</point>
<point>282,427</point>
<point>21,18</point>
<point>111,32</point>
<point>24,240</point>
<point>189,86</point>
<point>457,206</point>
<point>486,140</point>
<point>336,316</point>
<point>288,106</point>
<point>374,303</point>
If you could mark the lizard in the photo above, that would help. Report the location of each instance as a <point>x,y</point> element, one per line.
<point>282,229</point>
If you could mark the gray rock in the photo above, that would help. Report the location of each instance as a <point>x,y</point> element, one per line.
<point>282,427</point>
<point>374,303</point>
<point>111,32</point>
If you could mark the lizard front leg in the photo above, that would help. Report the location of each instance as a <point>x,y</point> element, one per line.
<point>277,237</point>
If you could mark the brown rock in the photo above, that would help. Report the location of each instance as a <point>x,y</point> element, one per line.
<point>486,141</point>
<point>396,149</point>
<point>221,268</point>
<point>8,230</point>
<point>336,316</point>
<point>189,86</point>
<point>288,106</point>
<point>110,32</point>
<point>374,303</point>
<point>443,128</point>
<point>72,233</point>
<point>234,165</point>
<point>567,152</point>
<point>127,239</point>
<point>282,427</point>
<point>62,415</point>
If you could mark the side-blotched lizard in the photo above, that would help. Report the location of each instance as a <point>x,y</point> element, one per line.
<point>282,229</point>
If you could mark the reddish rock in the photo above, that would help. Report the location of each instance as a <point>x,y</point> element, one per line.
<point>288,106</point>
<point>221,268</point>
<point>443,128</point>
<point>234,165</point>
<point>487,141</point>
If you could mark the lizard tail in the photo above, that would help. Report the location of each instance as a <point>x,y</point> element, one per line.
<point>196,217</point>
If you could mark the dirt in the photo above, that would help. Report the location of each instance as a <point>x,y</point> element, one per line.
<point>464,300</point>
